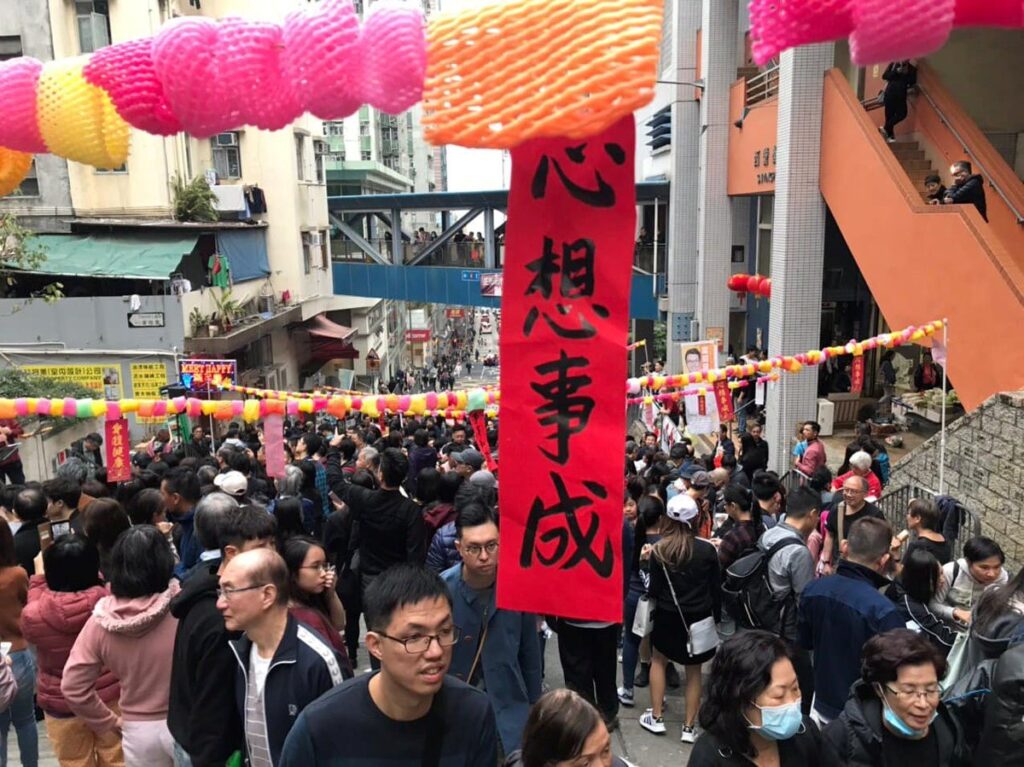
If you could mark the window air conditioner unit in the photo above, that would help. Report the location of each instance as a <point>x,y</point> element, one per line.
<point>312,239</point>
<point>226,139</point>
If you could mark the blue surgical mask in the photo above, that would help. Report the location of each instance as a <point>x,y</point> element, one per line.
<point>779,722</point>
<point>898,726</point>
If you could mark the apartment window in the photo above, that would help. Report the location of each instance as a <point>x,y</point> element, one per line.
<point>364,128</point>
<point>367,156</point>
<point>122,168</point>
<point>227,155</point>
<point>325,249</point>
<point>300,156</point>
<point>765,224</point>
<point>30,185</point>
<point>307,257</point>
<point>10,47</point>
<point>320,150</point>
<point>334,128</point>
<point>93,18</point>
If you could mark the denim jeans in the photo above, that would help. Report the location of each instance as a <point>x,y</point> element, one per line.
<point>22,712</point>
<point>630,641</point>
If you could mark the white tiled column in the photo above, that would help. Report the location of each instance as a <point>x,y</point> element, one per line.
<point>718,67</point>
<point>683,210</point>
<point>798,242</point>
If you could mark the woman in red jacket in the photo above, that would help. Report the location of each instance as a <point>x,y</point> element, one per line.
<point>59,603</point>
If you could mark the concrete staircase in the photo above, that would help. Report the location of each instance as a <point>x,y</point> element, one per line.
<point>911,157</point>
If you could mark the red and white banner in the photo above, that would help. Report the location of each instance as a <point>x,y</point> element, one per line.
<point>857,375</point>
<point>119,462</point>
<point>569,255</point>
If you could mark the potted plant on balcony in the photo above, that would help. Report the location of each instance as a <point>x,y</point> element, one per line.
<point>198,321</point>
<point>227,307</point>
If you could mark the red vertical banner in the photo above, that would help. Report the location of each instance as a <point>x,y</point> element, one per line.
<point>723,396</point>
<point>565,316</point>
<point>273,445</point>
<point>857,375</point>
<point>119,464</point>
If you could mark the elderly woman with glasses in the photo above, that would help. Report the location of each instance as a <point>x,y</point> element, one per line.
<point>895,715</point>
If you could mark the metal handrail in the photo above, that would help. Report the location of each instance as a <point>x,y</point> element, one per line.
<point>949,126</point>
<point>762,86</point>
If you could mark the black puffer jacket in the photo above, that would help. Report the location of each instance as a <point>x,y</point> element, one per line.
<point>1002,740</point>
<point>855,738</point>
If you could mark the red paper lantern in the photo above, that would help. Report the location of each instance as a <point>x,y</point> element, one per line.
<point>766,287</point>
<point>737,283</point>
<point>752,282</point>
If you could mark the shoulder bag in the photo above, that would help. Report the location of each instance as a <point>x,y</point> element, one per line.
<point>702,636</point>
<point>643,620</point>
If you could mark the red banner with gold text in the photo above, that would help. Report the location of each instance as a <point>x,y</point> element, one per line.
<point>119,464</point>
<point>857,375</point>
<point>723,396</point>
<point>565,315</point>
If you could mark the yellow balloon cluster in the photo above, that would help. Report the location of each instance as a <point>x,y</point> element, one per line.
<point>77,120</point>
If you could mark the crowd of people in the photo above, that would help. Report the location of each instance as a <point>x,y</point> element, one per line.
<point>345,613</point>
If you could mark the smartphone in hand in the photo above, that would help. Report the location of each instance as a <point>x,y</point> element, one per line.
<point>45,536</point>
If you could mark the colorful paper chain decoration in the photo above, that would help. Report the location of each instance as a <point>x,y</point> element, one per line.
<point>751,283</point>
<point>788,364</point>
<point>675,396</point>
<point>450,404</point>
<point>877,33</point>
<point>501,73</point>
<point>415,404</point>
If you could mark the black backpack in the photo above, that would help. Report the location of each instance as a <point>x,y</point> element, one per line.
<point>747,592</point>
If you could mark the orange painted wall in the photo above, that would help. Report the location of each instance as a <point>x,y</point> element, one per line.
<point>760,127</point>
<point>923,262</point>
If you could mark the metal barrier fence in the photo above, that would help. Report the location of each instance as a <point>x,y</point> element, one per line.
<point>793,479</point>
<point>894,503</point>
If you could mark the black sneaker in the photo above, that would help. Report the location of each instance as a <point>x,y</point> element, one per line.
<point>643,679</point>
<point>672,677</point>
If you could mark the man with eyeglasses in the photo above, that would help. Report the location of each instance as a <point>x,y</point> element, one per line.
<point>411,713</point>
<point>850,507</point>
<point>283,666</point>
<point>499,650</point>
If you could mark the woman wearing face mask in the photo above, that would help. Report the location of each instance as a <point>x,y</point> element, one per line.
<point>894,715</point>
<point>751,711</point>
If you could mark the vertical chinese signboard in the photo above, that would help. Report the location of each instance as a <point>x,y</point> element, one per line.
<point>857,375</point>
<point>569,254</point>
<point>148,378</point>
<point>119,468</point>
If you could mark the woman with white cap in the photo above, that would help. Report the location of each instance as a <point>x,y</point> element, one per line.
<point>685,586</point>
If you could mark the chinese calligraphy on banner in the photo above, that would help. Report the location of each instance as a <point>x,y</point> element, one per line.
<point>572,214</point>
<point>105,380</point>
<point>148,378</point>
<point>857,375</point>
<point>723,397</point>
<point>119,467</point>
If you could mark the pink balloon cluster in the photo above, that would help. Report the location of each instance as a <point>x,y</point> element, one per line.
<point>205,77</point>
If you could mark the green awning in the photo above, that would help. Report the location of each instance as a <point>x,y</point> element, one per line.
<point>132,256</point>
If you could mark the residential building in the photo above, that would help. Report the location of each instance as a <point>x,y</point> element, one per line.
<point>43,202</point>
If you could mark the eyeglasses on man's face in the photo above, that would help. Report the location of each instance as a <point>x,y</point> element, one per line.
<point>420,643</point>
<point>228,592</point>
<point>474,549</point>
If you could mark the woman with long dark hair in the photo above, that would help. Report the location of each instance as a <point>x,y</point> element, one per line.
<point>13,597</point>
<point>104,521</point>
<point>288,513</point>
<point>912,593</point>
<point>564,730</point>
<point>312,596</point>
<point>686,587</point>
<point>751,713</point>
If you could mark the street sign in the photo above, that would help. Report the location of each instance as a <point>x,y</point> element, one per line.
<point>146,320</point>
<point>470,275</point>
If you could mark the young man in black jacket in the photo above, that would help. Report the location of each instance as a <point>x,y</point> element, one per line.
<point>202,716</point>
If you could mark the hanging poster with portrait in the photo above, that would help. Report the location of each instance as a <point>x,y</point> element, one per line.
<point>701,410</point>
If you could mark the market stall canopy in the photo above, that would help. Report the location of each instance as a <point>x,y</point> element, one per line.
<point>128,256</point>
